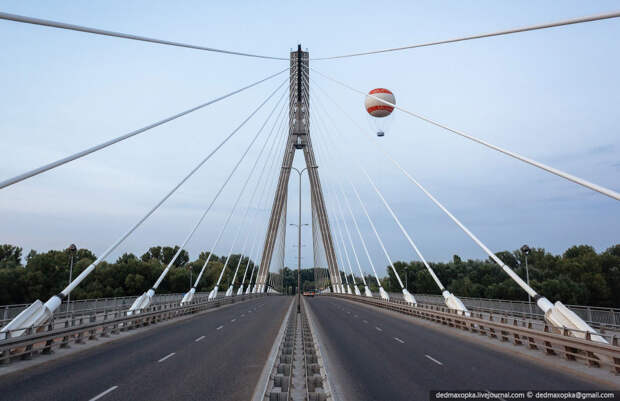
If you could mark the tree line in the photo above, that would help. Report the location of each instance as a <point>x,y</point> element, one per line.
<point>45,274</point>
<point>578,276</point>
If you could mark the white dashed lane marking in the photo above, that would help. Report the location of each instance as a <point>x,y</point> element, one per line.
<point>199,338</point>
<point>399,340</point>
<point>219,328</point>
<point>166,357</point>
<point>378,328</point>
<point>104,393</point>
<point>433,359</point>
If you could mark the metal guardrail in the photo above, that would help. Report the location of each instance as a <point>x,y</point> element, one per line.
<point>85,306</point>
<point>598,317</point>
<point>550,340</point>
<point>595,316</point>
<point>43,339</point>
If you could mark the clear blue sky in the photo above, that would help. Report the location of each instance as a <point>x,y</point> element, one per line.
<point>552,95</point>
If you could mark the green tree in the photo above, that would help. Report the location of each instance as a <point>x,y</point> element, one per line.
<point>10,256</point>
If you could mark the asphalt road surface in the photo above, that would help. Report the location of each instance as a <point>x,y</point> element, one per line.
<point>215,356</point>
<point>375,356</point>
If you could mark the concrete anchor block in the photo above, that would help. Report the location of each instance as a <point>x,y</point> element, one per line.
<point>285,369</point>
<point>278,396</point>
<point>282,382</point>
<point>313,368</point>
<point>317,396</point>
<point>314,382</point>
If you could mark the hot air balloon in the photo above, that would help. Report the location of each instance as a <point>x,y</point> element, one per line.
<point>380,112</point>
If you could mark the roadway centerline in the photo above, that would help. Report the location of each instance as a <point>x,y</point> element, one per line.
<point>219,328</point>
<point>166,357</point>
<point>433,359</point>
<point>399,340</point>
<point>104,393</point>
<point>378,328</point>
<point>199,338</point>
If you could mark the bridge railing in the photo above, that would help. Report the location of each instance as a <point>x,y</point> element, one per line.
<point>86,307</point>
<point>570,344</point>
<point>595,316</point>
<point>43,339</point>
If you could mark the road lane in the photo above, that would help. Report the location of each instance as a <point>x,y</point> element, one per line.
<point>368,364</point>
<point>224,365</point>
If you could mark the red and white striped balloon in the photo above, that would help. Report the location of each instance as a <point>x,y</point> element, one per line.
<point>376,108</point>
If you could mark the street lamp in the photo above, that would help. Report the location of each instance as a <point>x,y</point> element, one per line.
<point>526,251</point>
<point>72,250</point>
<point>299,243</point>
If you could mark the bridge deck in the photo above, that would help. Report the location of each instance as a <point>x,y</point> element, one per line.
<point>224,364</point>
<point>373,355</point>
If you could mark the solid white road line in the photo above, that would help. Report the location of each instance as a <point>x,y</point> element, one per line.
<point>104,393</point>
<point>433,359</point>
<point>166,357</point>
<point>399,340</point>
<point>219,328</point>
<point>199,338</point>
<point>378,328</point>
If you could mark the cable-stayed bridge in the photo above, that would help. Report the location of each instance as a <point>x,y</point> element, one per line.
<point>245,339</point>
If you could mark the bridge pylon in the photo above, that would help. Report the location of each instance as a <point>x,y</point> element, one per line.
<point>299,139</point>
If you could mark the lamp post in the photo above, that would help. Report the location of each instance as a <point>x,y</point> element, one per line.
<point>299,244</point>
<point>526,251</point>
<point>72,250</point>
<point>407,278</point>
<point>190,275</point>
